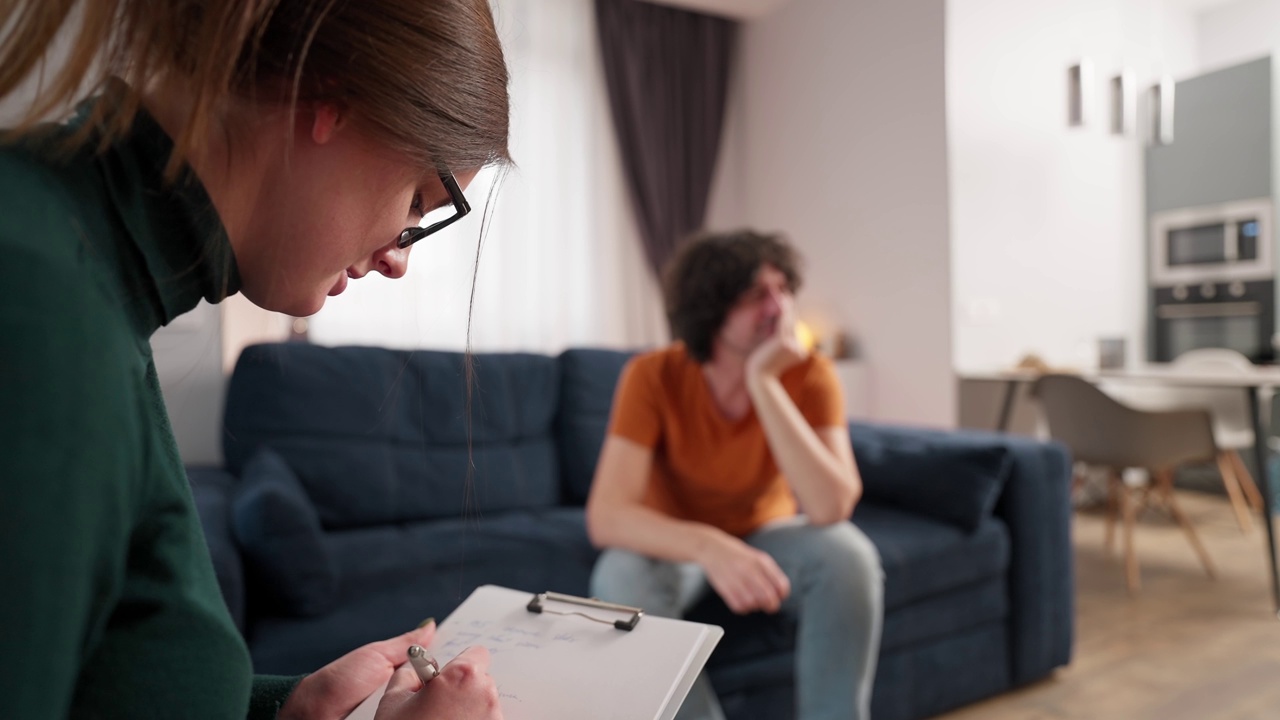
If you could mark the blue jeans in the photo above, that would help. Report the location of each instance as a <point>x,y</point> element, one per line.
<point>837,592</point>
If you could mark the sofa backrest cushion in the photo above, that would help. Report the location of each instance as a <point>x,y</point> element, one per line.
<point>276,527</point>
<point>380,436</point>
<point>588,378</point>
<point>941,475</point>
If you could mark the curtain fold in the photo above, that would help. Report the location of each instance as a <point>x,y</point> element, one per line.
<point>667,73</point>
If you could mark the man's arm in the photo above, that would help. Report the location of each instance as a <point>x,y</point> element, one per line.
<point>746,578</point>
<point>817,462</point>
<point>617,516</point>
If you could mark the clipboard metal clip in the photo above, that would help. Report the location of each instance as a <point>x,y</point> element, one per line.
<point>539,601</point>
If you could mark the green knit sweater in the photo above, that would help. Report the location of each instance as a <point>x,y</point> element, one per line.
<point>109,607</point>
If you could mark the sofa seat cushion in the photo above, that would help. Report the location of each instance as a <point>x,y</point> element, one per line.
<point>923,557</point>
<point>938,581</point>
<point>916,681</point>
<point>394,577</point>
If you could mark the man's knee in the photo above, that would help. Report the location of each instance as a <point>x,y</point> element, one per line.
<point>616,571</point>
<point>621,576</point>
<point>850,560</point>
<point>861,553</point>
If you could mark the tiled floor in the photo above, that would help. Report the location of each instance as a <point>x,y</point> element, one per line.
<point>1185,648</point>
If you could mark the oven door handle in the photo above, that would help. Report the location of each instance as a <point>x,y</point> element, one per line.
<point>1208,310</point>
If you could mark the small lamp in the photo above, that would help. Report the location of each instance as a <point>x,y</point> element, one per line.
<point>805,335</point>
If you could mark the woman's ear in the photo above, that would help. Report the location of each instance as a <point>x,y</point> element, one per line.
<point>327,119</point>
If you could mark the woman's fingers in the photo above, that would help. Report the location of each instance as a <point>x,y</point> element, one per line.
<point>404,684</point>
<point>396,649</point>
<point>472,661</point>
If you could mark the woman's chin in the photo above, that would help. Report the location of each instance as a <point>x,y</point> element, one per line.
<point>297,307</point>
<point>338,286</point>
<point>288,304</point>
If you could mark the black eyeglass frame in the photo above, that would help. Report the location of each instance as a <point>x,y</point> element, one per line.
<point>461,207</point>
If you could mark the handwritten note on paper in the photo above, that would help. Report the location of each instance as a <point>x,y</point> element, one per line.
<point>568,667</point>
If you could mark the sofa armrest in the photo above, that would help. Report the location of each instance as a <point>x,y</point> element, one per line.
<point>1036,507</point>
<point>1033,501</point>
<point>211,488</point>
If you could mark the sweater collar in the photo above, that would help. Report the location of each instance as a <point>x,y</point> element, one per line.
<point>173,224</point>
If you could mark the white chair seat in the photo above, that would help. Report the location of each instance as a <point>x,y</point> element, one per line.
<point>1232,438</point>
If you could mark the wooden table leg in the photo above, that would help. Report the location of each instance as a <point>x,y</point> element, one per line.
<point>1006,406</point>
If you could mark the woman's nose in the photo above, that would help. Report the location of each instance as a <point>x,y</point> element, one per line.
<point>391,260</point>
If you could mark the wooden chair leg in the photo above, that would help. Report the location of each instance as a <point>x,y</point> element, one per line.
<point>1113,505</point>
<point>1166,489</point>
<point>1078,476</point>
<point>1247,482</point>
<point>1232,482</point>
<point>1130,555</point>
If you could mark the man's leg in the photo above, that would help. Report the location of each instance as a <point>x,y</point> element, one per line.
<point>837,589</point>
<point>662,589</point>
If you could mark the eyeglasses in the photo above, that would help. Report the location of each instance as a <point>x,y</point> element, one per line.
<point>440,217</point>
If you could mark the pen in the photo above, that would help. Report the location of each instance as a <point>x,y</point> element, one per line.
<point>425,665</point>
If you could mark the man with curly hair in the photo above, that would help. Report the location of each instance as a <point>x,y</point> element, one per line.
<point>728,467</point>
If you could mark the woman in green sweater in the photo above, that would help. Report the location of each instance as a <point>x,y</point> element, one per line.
<point>278,148</point>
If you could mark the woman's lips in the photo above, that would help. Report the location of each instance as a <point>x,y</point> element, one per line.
<point>339,286</point>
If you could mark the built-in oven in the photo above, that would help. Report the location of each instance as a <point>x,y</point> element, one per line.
<point>1212,279</point>
<point>1239,315</point>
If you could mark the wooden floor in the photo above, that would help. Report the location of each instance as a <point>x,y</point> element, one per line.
<point>1185,648</point>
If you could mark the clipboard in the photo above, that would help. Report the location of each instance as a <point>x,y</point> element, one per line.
<point>570,658</point>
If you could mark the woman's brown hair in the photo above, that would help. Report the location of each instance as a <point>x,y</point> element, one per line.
<point>426,78</point>
<point>709,275</point>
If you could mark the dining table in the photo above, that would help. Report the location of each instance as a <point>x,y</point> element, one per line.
<point>1253,383</point>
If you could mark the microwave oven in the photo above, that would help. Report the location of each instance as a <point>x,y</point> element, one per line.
<point>1215,243</point>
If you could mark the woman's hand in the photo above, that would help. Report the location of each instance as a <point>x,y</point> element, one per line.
<point>782,350</point>
<point>333,691</point>
<point>463,691</point>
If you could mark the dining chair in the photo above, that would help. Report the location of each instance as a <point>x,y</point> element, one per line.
<point>1232,424</point>
<point>1103,432</point>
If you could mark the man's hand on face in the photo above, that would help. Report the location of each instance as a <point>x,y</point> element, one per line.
<point>782,350</point>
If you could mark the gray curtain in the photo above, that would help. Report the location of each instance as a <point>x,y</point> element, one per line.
<point>667,72</point>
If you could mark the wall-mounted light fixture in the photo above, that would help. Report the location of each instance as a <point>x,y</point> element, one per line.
<point>1124,103</point>
<point>1161,111</point>
<point>1079,92</point>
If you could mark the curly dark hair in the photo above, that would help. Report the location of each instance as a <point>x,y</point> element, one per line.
<point>709,275</point>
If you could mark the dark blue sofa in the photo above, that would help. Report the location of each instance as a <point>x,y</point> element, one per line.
<point>346,513</point>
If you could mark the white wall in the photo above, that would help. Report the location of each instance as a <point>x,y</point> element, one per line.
<point>836,136</point>
<point>1237,32</point>
<point>1047,224</point>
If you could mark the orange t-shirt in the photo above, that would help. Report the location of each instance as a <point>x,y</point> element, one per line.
<point>706,467</point>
